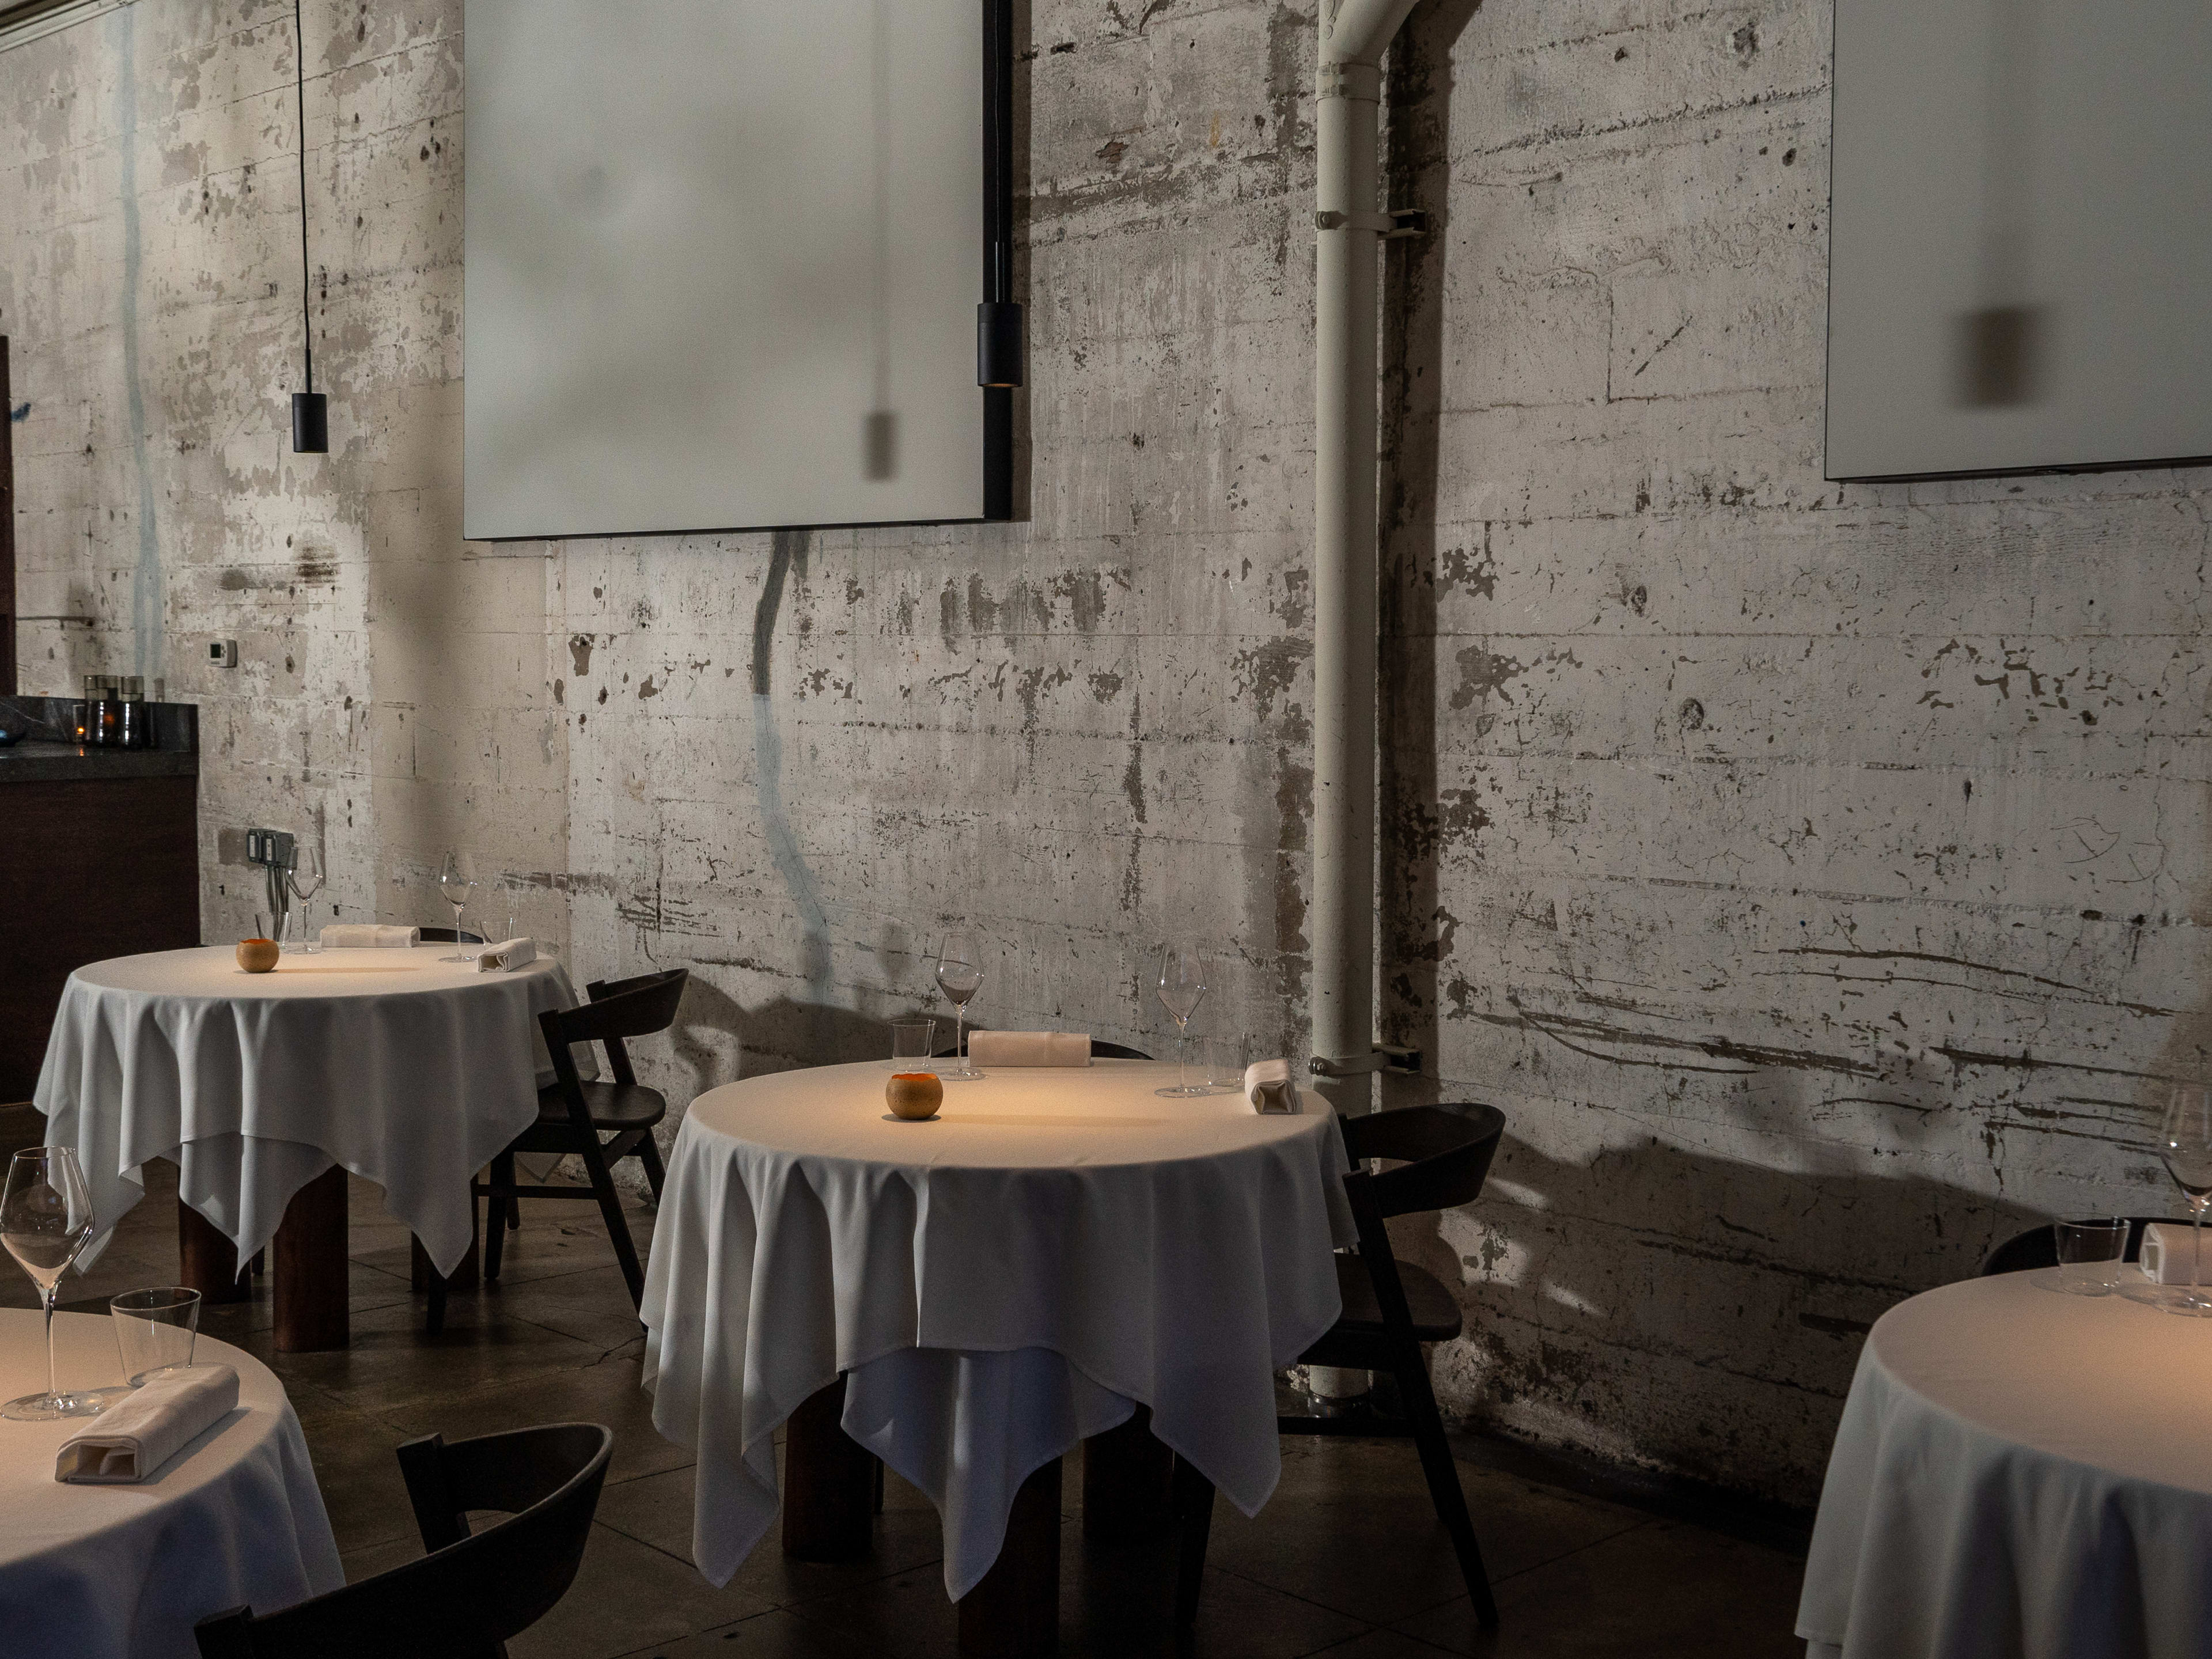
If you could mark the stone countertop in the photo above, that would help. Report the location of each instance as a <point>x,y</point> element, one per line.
<point>32,761</point>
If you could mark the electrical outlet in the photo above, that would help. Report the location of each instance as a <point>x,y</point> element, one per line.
<point>223,653</point>
<point>273,847</point>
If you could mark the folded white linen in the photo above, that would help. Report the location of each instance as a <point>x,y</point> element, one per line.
<point>370,936</point>
<point>2167,1251</point>
<point>508,953</point>
<point>1270,1088</point>
<point>131,1442</point>
<point>1029,1047</point>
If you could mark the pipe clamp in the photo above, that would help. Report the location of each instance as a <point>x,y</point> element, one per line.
<point>1360,81</point>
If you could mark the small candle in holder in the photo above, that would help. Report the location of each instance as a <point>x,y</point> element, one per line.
<point>914,1096</point>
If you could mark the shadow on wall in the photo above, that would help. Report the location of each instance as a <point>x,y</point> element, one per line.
<point>1741,1291</point>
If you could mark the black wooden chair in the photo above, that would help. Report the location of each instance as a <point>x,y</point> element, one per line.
<point>473,1591</point>
<point>572,1113</point>
<point>1098,1051</point>
<point>2038,1246</point>
<point>1390,1308</point>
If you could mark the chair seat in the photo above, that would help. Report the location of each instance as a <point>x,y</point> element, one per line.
<point>1434,1309</point>
<point>612,1106</point>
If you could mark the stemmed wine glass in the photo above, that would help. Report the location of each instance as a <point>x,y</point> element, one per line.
<point>305,879</point>
<point>46,1219</point>
<point>1182,988</point>
<point>959,972</point>
<point>2185,1146</point>
<point>457,881</point>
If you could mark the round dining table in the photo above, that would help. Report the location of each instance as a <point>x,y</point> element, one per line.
<point>402,1066</point>
<point>2019,1473</point>
<point>124,1571</point>
<point>1055,1249</point>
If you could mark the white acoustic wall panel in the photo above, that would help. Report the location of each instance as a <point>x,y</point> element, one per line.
<point>723,262</point>
<point>2021,236</point>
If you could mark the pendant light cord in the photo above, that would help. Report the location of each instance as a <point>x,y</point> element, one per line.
<point>300,83</point>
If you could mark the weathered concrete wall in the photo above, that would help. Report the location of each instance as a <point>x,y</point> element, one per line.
<point>1810,872</point>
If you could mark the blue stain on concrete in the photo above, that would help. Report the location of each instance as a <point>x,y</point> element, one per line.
<point>21,412</point>
<point>768,772</point>
<point>146,582</point>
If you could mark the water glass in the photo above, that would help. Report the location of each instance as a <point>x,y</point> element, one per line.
<point>154,1329</point>
<point>1225,1061</point>
<point>2089,1255</point>
<point>911,1042</point>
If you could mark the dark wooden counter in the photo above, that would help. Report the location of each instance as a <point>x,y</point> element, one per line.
<point>102,855</point>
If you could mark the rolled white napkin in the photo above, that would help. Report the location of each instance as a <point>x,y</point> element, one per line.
<point>369,936</point>
<point>129,1442</point>
<point>1271,1089</point>
<point>1029,1047</point>
<point>508,953</point>
<point>2165,1255</point>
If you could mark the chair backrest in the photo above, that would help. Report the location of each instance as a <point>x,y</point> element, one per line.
<point>471,1592</point>
<point>1444,1153</point>
<point>2038,1247</point>
<point>1098,1051</point>
<point>617,1009</point>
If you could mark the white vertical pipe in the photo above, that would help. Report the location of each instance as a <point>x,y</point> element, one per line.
<point>1347,111</point>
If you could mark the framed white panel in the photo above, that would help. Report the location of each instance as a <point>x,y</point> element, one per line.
<point>2020,223</point>
<point>722,266</point>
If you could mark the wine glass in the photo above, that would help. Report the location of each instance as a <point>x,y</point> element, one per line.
<point>305,879</point>
<point>2184,1146</point>
<point>959,972</point>
<point>457,881</point>
<point>1182,988</point>
<point>46,1219</point>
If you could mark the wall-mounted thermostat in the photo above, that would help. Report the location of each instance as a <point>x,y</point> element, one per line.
<point>223,653</point>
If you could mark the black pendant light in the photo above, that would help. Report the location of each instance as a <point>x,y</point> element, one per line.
<point>311,417</point>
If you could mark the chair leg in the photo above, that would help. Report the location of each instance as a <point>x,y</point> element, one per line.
<point>1442,1472</point>
<point>435,1321</point>
<point>602,1188</point>
<point>649,1155</point>
<point>502,1175</point>
<point>1192,1497</point>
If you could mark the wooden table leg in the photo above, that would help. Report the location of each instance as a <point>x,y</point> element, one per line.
<point>1014,1614</point>
<point>419,1270</point>
<point>207,1261</point>
<point>828,1483</point>
<point>1126,1472</point>
<point>312,1293</point>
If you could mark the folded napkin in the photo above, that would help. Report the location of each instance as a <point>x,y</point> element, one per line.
<point>368,936</point>
<point>508,953</point>
<point>1029,1047</point>
<point>131,1442</point>
<point>2165,1255</point>
<point>1271,1089</point>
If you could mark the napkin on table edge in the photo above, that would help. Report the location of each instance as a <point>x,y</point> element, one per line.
<point>509,953</point>
<point>146,1430</point>
<point>382,935</point>
<point>1059,1048</point>
<point>1270,1089</point>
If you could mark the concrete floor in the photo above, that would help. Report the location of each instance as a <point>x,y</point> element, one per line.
<point>1346,1560</point>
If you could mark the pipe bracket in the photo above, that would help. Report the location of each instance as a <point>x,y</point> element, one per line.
<point>1361,81</point>
<point>1383,1057</point>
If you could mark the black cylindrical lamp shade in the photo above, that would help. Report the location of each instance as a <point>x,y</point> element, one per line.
<point>310,423</point>
<point>997,343</point>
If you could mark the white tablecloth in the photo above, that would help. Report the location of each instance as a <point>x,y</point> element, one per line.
<point>2020,1474</point>
<point>122,1572</point>
<point>1000,1283</point>
<point>409,1071</point>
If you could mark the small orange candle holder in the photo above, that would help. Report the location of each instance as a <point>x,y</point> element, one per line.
<point>915,1096</point>
<point>257,955</point>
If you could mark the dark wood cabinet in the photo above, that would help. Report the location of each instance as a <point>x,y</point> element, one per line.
<point>102,860</point>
